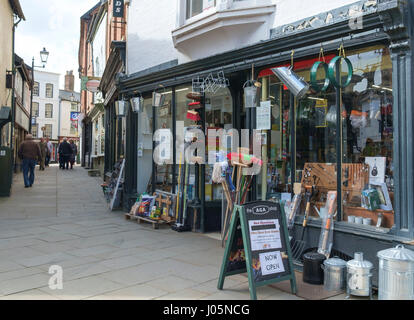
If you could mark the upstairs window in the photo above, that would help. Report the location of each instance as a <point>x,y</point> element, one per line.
<point>49,110</point>
<point>49,90</point>
<point>35,109</point>
<point>36,89</point>
<point>195,7</point>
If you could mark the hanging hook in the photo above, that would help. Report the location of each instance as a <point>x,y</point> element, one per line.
<point>291,58</point>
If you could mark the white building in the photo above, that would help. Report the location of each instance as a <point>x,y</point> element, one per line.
<point>45,108</point>
<point>188,30</point>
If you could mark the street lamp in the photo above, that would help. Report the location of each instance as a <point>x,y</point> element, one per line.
<point>44,55</point>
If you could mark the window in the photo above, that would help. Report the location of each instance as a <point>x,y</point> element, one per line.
<point>35,129</point>
<point>74,107</point>
<point>49,90</point>
<point>48,130</point>
<point>367,139</point>
<point>195,7</point>
<point>49,110</point>
<point>36,89</point>
<point>35,109</point>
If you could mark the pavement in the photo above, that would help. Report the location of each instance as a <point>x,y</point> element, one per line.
<point>64,220</point>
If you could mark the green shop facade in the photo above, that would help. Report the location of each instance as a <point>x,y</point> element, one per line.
<point>374,121</point>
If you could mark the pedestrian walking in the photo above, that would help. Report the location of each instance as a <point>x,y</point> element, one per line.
<point>74,153</point>
<point>66,152</point>
<point>29,152</point>
<point>43,152</point>
<point>49,145</point>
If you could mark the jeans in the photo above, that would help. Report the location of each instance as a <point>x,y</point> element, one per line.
<point>28,171</point>
<point>66,159</point>
<point>47,160</point>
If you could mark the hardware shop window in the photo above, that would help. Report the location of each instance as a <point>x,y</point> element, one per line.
<point>366,133</point>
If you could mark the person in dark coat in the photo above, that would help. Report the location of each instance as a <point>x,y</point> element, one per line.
<point>66,151</point>
<point>74,153</point>
<point>29,152</point>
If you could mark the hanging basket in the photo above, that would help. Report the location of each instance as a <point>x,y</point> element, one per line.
<point>250,94</point>
<point>137,103</point>
<point>158,98</point>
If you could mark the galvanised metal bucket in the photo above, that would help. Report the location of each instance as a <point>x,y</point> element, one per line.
<point>396,274</point>
<point>334,274</point>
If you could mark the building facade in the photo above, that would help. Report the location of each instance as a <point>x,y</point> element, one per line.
<point>69,110</point>
<point>45,107</point>
<point>98,29</point>
<point>22,92</point>
<point>353,137</point>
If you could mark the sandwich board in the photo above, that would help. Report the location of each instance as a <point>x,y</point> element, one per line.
<point>258,243</point>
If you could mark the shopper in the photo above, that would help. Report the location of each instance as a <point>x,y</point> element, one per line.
<point>74,153</point>
<point>43,152</point>
<point>49,151</point>
<point>29,152</point>
<point>66,152</point>
<point>60,156</point>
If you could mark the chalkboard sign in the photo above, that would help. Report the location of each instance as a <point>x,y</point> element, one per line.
<point>258,244</point>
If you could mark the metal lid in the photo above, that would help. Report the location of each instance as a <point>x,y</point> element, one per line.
<point>314,256</point>
<point>399,253</point>
<point>335,262</point>
<point>359,262</point>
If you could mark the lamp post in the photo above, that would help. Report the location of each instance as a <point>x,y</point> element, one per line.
<point>44,55</point>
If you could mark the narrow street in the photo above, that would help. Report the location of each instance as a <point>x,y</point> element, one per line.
<point>63,220</point>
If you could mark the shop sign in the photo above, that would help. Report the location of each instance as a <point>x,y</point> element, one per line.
<point>118,9</point>
<point>74,116</point>
<point>258,242</point>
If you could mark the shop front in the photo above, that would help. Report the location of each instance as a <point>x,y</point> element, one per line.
<point>350,139</point>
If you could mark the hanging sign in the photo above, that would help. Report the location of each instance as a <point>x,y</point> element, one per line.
<point>258,244</point>
<point>330,74</point>
<point>118,9</point>
<point>74,116</point>
<point>263,116</point>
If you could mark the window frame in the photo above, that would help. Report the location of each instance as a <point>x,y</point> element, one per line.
<point>46,131</point>
<point>36,88</point>
<point>46,89</point>
<point>51,111</point>
<point>35,114</point>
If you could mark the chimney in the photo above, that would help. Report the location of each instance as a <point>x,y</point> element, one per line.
<point>69,81</point>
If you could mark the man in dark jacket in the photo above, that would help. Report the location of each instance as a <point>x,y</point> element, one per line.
<point>29,152</point>
<point>66,151</point>
<point>74,153</point>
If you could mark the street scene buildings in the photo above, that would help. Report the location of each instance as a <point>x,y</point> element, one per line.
<point>223,149</point>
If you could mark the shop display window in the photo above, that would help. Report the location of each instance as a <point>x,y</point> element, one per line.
<point>163,120</point>
<point>366,138</point>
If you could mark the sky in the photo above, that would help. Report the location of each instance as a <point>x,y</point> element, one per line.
<point>55,25</point>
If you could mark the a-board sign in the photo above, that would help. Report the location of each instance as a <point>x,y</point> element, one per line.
<point>258,244</point>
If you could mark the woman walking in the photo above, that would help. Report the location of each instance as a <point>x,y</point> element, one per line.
<point>74,153</point>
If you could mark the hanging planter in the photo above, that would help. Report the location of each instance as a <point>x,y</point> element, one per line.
<point>313,73</point>
<point>137,103</point>
<point>251,91</point>
<point>158,98</point>
<point>332,72</point>
<point>120,108</point>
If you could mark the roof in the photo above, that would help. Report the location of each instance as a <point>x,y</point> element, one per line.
<point>17,8</point>
<point>24,69</point>
<point>66,95</point>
